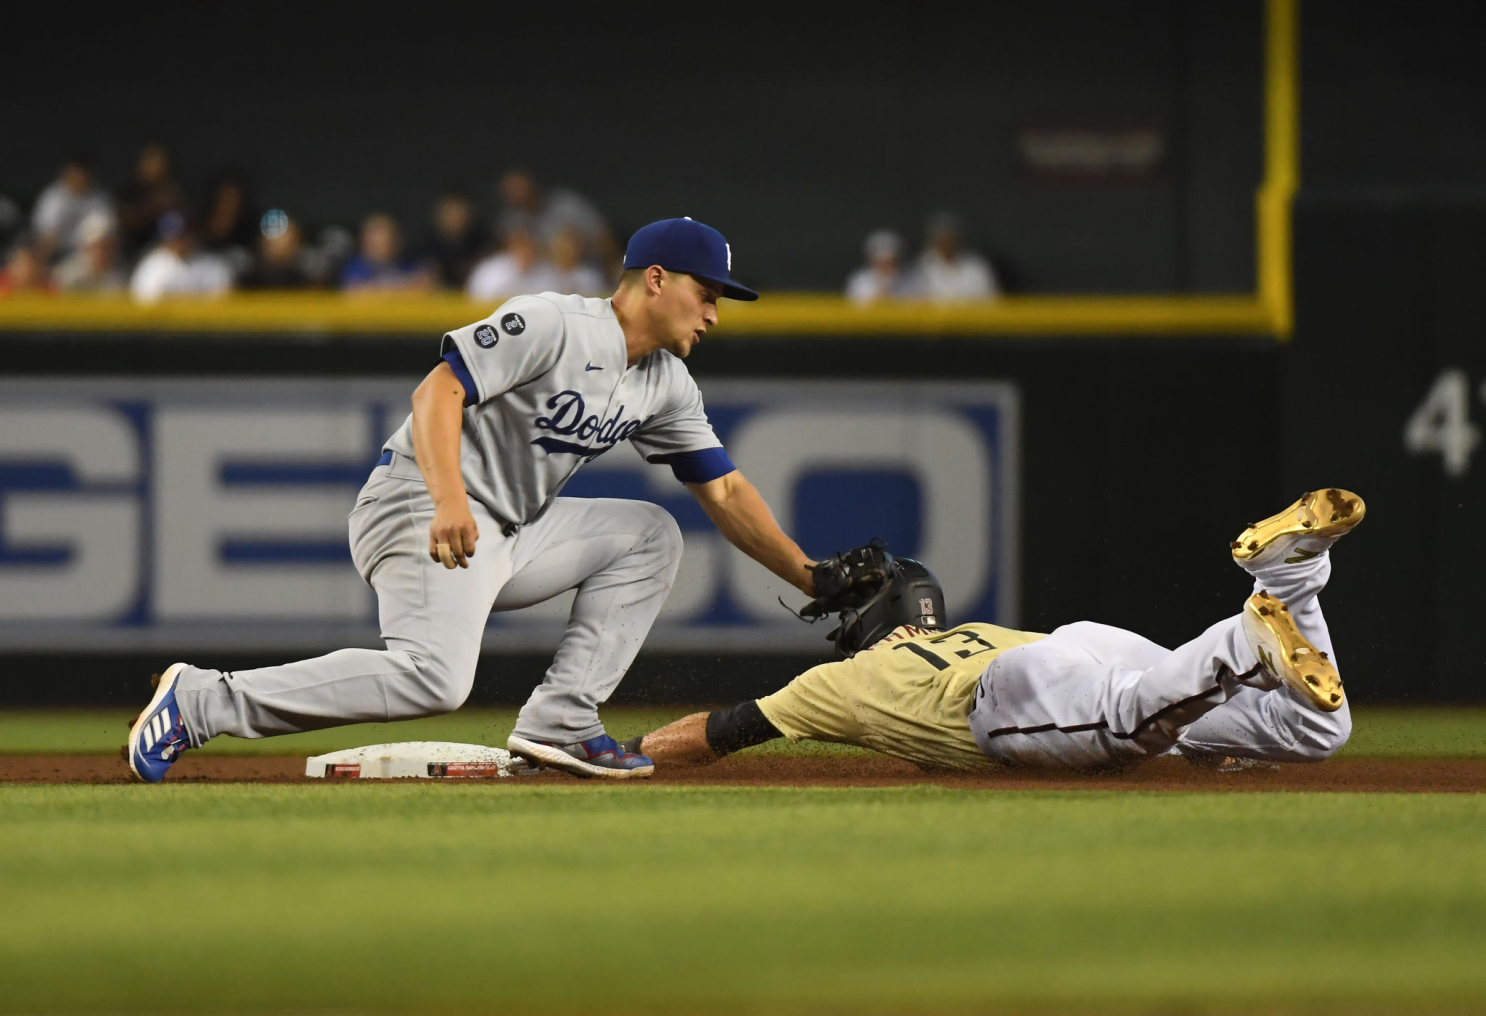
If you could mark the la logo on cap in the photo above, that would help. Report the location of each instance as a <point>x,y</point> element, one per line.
<point>691,249</point>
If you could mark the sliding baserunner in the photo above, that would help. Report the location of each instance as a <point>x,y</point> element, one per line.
<point>1262,684</point>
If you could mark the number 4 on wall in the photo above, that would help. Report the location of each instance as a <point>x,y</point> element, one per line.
<point>1442,423</point>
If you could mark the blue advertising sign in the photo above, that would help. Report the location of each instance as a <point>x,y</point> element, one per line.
<point>200,514</point>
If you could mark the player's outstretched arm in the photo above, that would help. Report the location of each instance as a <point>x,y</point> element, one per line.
<point>706,737</point>
<point>438,420</point>
<point>681,743</point>
<point>740,514</point>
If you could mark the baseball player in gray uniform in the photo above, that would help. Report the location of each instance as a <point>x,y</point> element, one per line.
<point>462,516</point>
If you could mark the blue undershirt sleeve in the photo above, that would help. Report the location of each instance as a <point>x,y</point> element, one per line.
<point>456,364</point>
<point>697,467</point>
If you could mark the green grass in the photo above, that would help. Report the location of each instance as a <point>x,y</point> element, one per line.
<point>456,898</point>
<point>440,898</point>
<point>1378,733</point>
<point>1418,733</point>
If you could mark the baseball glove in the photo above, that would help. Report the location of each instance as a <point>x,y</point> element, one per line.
<point>846,581</point>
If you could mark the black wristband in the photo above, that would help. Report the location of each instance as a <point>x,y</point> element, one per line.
<point>742,726</point>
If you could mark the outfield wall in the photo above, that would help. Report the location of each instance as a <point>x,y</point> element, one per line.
<point>1122,467</point>
<point>209,514</point>
<point>1048,480</point>
<point>1385,390</point>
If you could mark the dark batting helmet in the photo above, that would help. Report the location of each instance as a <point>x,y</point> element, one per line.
<point>911,596</point>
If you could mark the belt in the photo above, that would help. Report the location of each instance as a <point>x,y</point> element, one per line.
<point>507,528</point>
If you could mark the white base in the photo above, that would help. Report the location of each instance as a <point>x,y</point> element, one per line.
<point>411,759</point>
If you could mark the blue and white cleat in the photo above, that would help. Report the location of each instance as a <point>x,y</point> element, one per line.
<point>159,735</point>
<point>600,756</point>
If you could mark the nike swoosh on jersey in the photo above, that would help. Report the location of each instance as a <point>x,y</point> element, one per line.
<point>591,367</point>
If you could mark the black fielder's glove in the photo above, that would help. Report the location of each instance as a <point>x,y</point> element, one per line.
<point>846,581</point>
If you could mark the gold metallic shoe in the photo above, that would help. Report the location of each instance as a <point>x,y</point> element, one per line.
<point>1287,655</point>
<point>1302,531</point>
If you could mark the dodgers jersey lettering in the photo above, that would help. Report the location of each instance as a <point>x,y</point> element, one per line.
<point>552,390</point>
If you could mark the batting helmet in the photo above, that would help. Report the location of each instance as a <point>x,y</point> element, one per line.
<point>910,596</point>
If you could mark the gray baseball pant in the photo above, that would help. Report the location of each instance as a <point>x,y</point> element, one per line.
<point>620,555</point>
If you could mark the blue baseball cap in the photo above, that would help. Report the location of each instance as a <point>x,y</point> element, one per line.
<point>685,245</point>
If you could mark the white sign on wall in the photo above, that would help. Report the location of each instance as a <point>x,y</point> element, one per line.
<point>200,514</point>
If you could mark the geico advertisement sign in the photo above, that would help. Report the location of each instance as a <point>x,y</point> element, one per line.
<point>212,513</point>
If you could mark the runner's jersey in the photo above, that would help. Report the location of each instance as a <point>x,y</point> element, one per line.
<point>547,389</point>
<point>960,655</point>
<point>908,695</point>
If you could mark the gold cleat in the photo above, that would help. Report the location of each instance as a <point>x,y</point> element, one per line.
<point>1288,656</point>
<point>1302,531</point>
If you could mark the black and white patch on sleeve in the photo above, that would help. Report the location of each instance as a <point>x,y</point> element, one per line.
<point>521,341</point>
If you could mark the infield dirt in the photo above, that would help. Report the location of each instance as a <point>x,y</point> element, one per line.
<point>1363,775</point>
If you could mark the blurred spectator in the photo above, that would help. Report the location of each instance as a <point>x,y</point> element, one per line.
<point>380,263</point>
<point>947,271</point>
<point>24,271</point>
<point>177,268</point>
<point>569,273</point>
<point>883,277</point>
<point>517,270</point>
<point>151,193</point>
<point>64,204</point>
<point>283,262</point>
<point>323,257</point>
<point>230,223</point>
<point>457,238</point>
<point>544,213</point>
<point>95,266</point>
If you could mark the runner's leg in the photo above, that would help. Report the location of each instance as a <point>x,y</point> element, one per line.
<point>1090,696</point>
<point>1278,726</point>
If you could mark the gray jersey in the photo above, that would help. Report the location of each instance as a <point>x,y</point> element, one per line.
<point>547,389</point>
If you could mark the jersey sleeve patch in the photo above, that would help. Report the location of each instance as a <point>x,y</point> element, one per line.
<point>523,341</point>
<point>456,364</point>
<point>697,467</point>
